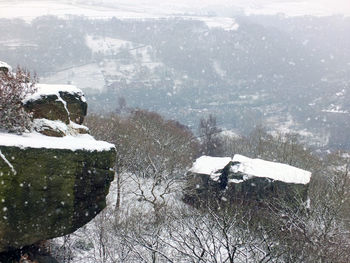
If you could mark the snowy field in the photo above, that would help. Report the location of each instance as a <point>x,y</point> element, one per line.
<point>95,77</point>
<point>86,77</point>
<point>106,45</point>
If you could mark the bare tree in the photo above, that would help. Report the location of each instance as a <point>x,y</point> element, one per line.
<point>154,152</point>
<point>166,151</point>
<point>208,134</point>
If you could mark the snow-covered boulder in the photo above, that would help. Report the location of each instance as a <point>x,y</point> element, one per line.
<point>57,102</point>
<point>51,186</point>
<point>243,178</point>
<point>4,67</point>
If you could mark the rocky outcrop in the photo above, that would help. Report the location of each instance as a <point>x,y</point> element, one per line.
<point>57,102</point>
<point>242,179</point>
<point>55,179</point>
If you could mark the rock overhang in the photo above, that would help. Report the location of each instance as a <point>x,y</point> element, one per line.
<point>54,178</point>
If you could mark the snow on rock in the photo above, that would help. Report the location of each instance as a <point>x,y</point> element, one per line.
<point>241,178</point>
<point>37,140</point>
<point>50,89</point>
<point>5,65</point>
<point>250,168</point>
<point>57,102</point>
<point>273,170</point>
<point>58,128</point>
<point>210,165</point>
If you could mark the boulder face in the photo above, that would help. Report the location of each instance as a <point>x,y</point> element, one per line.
<point>54,179</point>
<point>242,179</point>
<point>48,107</point>
<point>50,192</point>
<point>57,102</point>
<point>76,105</point>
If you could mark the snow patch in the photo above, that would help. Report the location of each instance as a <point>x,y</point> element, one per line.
<point>225,23</point>
<point>106,45</point>
<point>335,109</point>
<point>229,134</point>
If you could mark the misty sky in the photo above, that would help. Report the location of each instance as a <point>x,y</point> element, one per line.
<point>155,8</point>
<point>292,7</point>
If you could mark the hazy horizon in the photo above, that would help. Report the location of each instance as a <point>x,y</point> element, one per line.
<point>154,8</point>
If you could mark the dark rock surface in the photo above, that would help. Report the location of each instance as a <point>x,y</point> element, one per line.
<point>52,192</point>
<point>64,107</point>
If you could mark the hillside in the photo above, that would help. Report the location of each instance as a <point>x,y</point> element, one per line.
<point>246,70</point>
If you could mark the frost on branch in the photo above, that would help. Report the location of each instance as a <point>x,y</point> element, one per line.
<point>14,87</point>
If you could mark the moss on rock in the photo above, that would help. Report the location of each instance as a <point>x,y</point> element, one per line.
<point>50,192</point>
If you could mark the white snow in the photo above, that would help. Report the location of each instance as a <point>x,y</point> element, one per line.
<point>340,93</point>
<point>37,140</point>
<point>335,109</point>
<point>49,89</point>
<point>87,77</point>
<point>140,9</point>
<point>77,126</point>
<point>251,168</point>
<point>226,23</point>
<point>273,170</point>
<point>39,124</point>
<point>106,45</point>
<point>210,165</point>
<point>229,134</point>
<point>71,129</point>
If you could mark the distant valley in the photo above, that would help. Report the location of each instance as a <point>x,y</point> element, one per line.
<point>287,74</point>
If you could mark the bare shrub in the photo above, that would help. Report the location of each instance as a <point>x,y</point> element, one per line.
<point>14,87</point>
